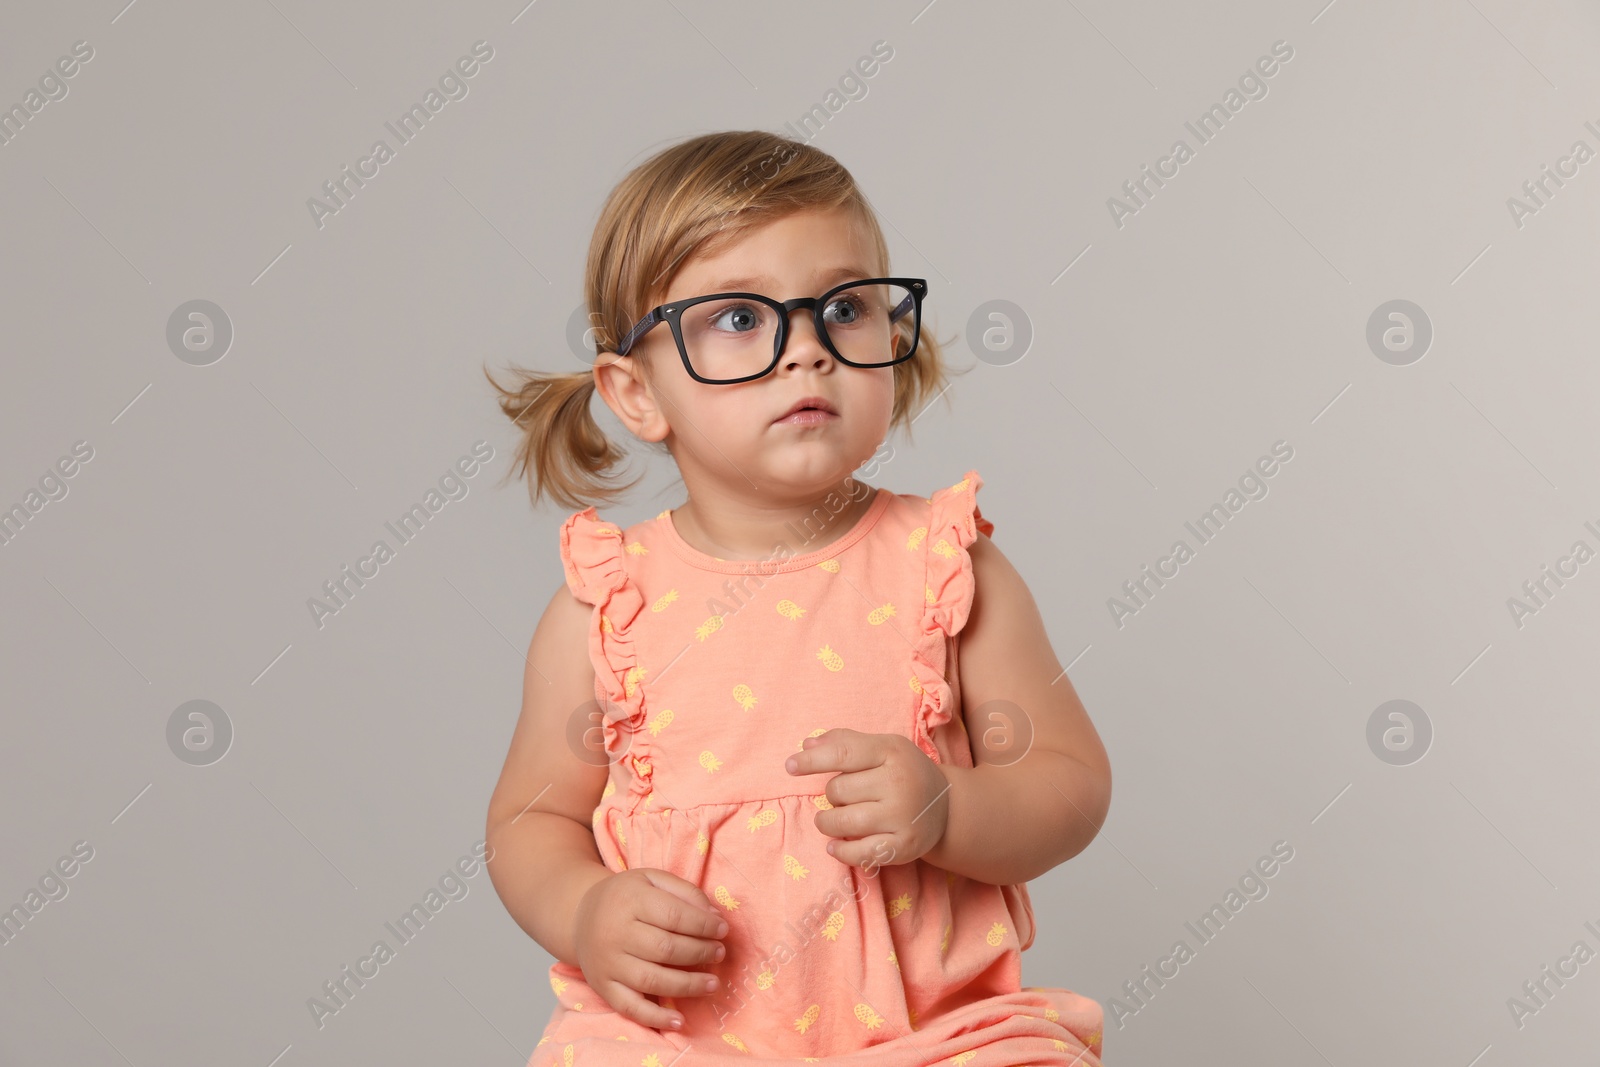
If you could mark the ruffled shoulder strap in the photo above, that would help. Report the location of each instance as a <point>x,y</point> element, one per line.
<point>592,558</point>
<point>954,522</point>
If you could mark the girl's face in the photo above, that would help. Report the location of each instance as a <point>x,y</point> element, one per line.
<point>732,436</point>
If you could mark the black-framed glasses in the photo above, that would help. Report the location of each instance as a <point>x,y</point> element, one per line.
<point>726,338</point>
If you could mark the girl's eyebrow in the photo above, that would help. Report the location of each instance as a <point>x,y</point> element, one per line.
<point>757,283</point>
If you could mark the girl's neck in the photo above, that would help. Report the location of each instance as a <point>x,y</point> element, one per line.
<point>737,529</point>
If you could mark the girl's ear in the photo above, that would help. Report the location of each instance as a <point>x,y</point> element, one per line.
<point>620,382</point>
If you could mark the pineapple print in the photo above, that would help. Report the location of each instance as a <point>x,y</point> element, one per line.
<point>818,732</point>
<point>996,934</point>
<point>894,959</point>
<point>821,802</point>
<point>877,615</point>
<point>831,659</point>
<point>622,839</point>
<point>733,1039</point>
<point>1061,1046</point>
<point>944,942</point>
<point>566,1052</point>
<point>707,628</point>
<point>927,594</point>
<point>1052,1015</point>
<point>745,696</point>
<point>871,1019</point>
<point>637,549</point>
<point>762,818</point>
<point>944,548</point>
<point>831,928</point>
<point>916,686</point>
<point>900,905</point>
<point>914,542</point>
<point>765,979</point>
<point>789,609</point>
<point>702,844</point>
<point>558,984</point>
<point>660,721</point>
<point>962,1057</point>
<point>611,531</point>
<point>605,624</point>
<point>709,762</point>
<point>611,787</point>
<point>725,898</point>
<point>664,600</point>
<point>962,484</point>
<point>792,867</point>
<point>630,681</point>
<point>830,565</point>
<point>803,1023</point>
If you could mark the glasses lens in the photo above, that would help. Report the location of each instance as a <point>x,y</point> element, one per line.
<point>734,337</point>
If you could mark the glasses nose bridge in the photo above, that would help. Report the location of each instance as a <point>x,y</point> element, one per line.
<point>800,303</point>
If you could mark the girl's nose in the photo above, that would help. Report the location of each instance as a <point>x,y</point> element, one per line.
<point>802,347</point>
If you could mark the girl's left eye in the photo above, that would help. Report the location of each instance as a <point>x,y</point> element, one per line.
<point>843,311</point>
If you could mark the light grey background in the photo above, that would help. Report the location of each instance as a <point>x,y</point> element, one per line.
<point>1229,313</point>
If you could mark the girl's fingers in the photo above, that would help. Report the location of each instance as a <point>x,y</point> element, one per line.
<point>650,942</point>
<point>656,980</point>
<point>630,1005</point>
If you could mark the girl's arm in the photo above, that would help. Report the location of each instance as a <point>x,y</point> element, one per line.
<point>1010,822</point>
<point>544,854</point>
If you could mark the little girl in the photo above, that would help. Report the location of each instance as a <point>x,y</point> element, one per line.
<point>751,806</point>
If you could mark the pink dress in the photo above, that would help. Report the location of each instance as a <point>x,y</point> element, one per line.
<point>710,673</point>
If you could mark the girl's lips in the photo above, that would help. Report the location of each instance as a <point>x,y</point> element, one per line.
<point>807,417</point>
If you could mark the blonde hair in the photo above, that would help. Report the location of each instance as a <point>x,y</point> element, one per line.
<point>689,199</point>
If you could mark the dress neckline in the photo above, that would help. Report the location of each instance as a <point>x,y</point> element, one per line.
<point>689,554</point>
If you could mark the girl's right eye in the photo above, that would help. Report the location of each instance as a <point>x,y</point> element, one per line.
<point>737,318</point>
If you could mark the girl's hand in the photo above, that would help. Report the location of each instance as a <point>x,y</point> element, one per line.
<point>636,931</point>
<point>890,803</point>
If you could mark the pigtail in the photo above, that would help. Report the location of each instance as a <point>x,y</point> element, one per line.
<point>562,451</point>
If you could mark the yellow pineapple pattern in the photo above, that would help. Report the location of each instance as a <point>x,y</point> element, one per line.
<point>914,542</point>
<point>944,548</point>
<point>558,984</point>
<point>664,601</point>
<point>822,803</point>
<point>725,898</point>
<point>927,594</point>
<point>622,839</point>
<point>818,732</point>
<point>871,1019</point>
<point>611,531</point>
<point>894,959</point>
<point>707,628</point>
<point>762,818</point>
<point>611,787</point>
<point>830,565</point>
<point>877,615</point>
<point>944,942</point>
<point>996,934</point>
<point>803,1023</point>
<point>630,681</point>
<point>792,867</point>
<point>1052,1015</point>
<point>900,905</point>
<point>702,844</point>
<point>660,721</point>
<point>1061,1046</point>
<point>789,609</point>
<point>765,979</point>
<point>637,549</point>
<point>831,928</point>
<point>962,484</point>
<point>745,696</point>
<point>916,686</point>
<point>963,1057</point>
<point>830,659</point>
<point>709,762</point>
<point>733,1039</point>
<point>566,1050</point>
<point>605,623</point>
